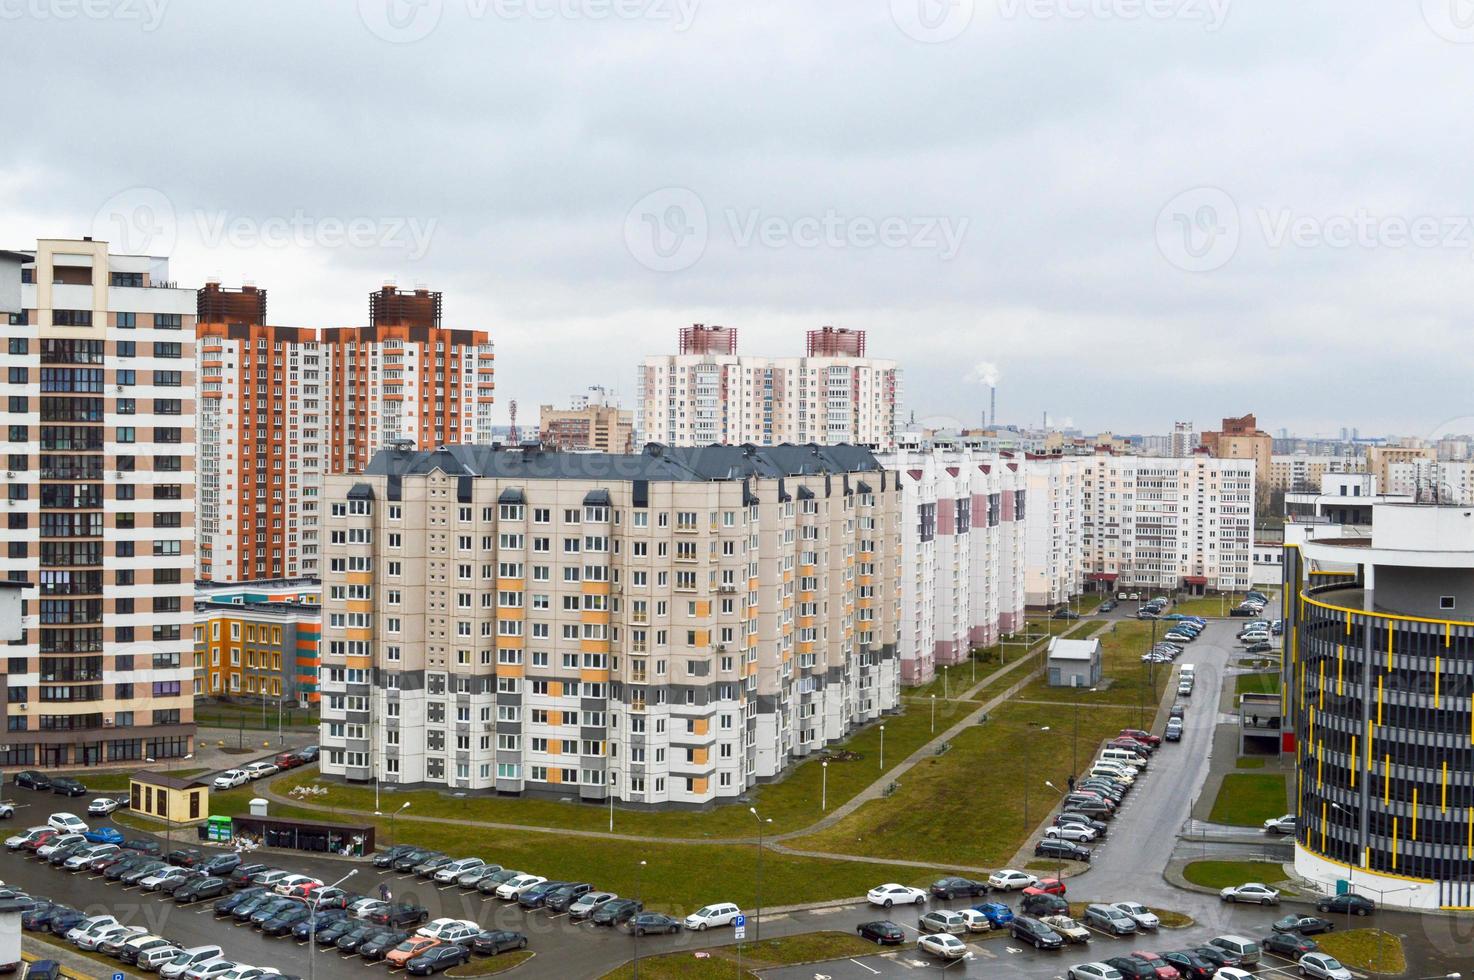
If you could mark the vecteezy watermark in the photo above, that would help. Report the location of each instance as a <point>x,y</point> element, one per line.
<point>932,21</point>
<point>407,21</point>
<point>1452,20</point>
<point>668,230</point>
<point>148,14</point>
<point>937,21</point>
<point>410,235</point>
<point>1198,230</point>
<point>137,221</point>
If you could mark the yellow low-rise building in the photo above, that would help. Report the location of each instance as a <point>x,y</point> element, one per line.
<point>169,798</point>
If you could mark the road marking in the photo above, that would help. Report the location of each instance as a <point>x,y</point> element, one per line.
<point>864,967</point>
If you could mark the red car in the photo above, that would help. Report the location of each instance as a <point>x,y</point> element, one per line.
<point>1142,736</point>
<point>1045,886</point>
<point>288,760</point>
<point>1165,970</point>
<point>40,841</point>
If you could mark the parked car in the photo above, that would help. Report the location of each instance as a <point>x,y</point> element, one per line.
<point>67,786</point>
<point>31,779</point>
<point>1144,917</point>
<point>1280,825</point>
<point>1062,849</point>
<point>184,857</point>
<point>882,932</point>
<point>199,889</point>
<point>432,864</point>
<point>66,823</point>
<point>408,950</point>
<point>1093,971</point>
<point>536,896</point>
<point>387,857</point>
<point>402,914</point>
<point>588,903</point>
<point>893,894</point>
<point>447,873</point>
<point>1035,933</point>
<point>942,920</point>
<point>1323,966</point>
<point>1290,945</point>
<point>1173,731</point>
<point>1252,892</point>
<point>1046,886</point>
<point>1263,646</point>
<point>1189,965</point>
<point>288,760</point>
<point>955,887</point>
<point>1041,904</point>
<point>1131,968</point>
<point>1067,927</point>
<point>187,958</point>
<point>998,914</point>
<point>1348,903</point>
<point>470,879</point>
<point>943,945</point>
<point>377,946</point>
<point>514,887</point>
<point>721,914</point>
<point>647,922</point>
<point>1109,919</point>
<point>497,941</point>
<point>102,806</point>
<point>1008,879</point>
<point>437,958</point>
<point>448,929</point>
<point>258,770</point>
<point>616,912</point>
<point>105,835</point>
<point>231,778</point>
<point>1305,925</point>
<point>975,920</point>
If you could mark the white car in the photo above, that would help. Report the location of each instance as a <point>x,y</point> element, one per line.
<point>1067,927</point>
<point>585,905</point>
<point>269,879</point>
<point>721,914</point>
<point>243,972</point>
<point>1253,892</point>
<point>449,930</point>
<point>1280,825</point>
<point>256,770</point>
<point>1071,832</point>
<point>102,806</point>
<point>975,920</point>
<point>59,841</point>
<point>892,894</point>
<point>514,887</point>
<point>449,873</point>
<point>365,907</point>
<point>153,881</point>
<point>231,778</point>
<point>81,859</point>
<point>7,810</point>
<point>193,956</point>
<point>209,969</point>
<point>1233,973</point>
<point>14,842</point>
<point>1323,966</point>
<point>285,885</point>
<point>1093,971</point>
<point>1011,880</point>
<point>67,823</point>
<point>944,945</point>
<point>88,924</point>
<point>112,934</point>
<point>1143,916</point>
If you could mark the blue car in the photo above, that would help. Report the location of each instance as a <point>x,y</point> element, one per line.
<point>104,835</point>
<point>997,914</point>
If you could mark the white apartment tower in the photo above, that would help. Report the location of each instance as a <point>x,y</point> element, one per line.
<point>99,446</point>
<point>709,394</point>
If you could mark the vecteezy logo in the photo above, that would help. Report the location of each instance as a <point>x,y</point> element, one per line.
<point>1198,230</point>
<point>1452,20</point>
<point>400,21</point>
<point>666,230</point>
<point>932,21</point>
<point>138,221</point>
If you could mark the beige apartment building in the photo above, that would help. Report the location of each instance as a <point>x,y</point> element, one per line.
<point>592,426</point>
<point>666,628</point>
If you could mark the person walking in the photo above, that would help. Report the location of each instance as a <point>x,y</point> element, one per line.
<point>384,893</point>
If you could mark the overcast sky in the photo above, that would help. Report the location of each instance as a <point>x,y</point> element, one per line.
<point>1138,210</point>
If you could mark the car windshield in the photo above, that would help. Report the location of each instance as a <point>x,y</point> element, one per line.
<point>1330,963</point>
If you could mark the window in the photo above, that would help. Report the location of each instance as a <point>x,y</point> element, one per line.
<point>1445,602</point>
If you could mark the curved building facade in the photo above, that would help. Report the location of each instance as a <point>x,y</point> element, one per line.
<point>1379,693</point>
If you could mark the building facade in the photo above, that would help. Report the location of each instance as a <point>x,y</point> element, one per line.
<point>1433,481</point>
<point>591,427</point>
<point>1381,459</point>
<point>1302,471</point>
<point>99,448</point>
<point>962,553</point>
<point>1054,535</point>
<point>708,393</point>
<point>1379,694</point>
<point>1241,438</point>
<point>667,628</point>
<point>258,640</point>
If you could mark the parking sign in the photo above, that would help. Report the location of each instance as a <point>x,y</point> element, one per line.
<point>740,921</point>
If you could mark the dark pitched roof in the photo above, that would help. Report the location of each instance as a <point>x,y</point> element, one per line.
<point>168,781</point>
<point>656,463</point>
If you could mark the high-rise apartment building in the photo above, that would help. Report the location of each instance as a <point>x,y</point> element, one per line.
<point>281,406</point>
<point>1054,558</point>
<point>1183,441</point>
<point>1302,471</point>
<point>668,627</point>
<point>962,552</point>
<point>709,394</point>
<point>1241,438</point>
<point>595,425</point>
<point>99,390</point>
<point>1381,459</point>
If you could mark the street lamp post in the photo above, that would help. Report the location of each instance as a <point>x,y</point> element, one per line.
<point>882,748</point>
<point>392,815</point>
<point>824,786</point>
<point>757,922</point>
<point>944,681</point>
<point>934,713</point>
<point>639,907</point>
<point>312,927</point>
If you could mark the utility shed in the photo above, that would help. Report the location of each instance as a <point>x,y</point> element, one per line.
<point>1073,663</point>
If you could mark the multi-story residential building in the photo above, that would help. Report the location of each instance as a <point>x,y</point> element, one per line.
<point>709,394</point>
<point>667,628</point>
<point>1183,442</point>
<point>99,448</point>
<point>1433,481</point>
<point>1179,524</point>
<point>405,377</point>
<point>1241,438</point>
<point>280,406</point>
<point>962,553</point>
<point>1302,471</point>
<point>259,642</point>
<point>1378,706</point>
<point>1054,535</point>
<point>263,434</point>
<point>594,425</point>
<point>1381,459</point>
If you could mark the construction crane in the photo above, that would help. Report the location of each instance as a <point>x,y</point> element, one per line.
<point>514,437</point>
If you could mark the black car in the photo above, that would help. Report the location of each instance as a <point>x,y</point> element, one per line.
<point>403,914</point>
<point>1099,826</point>
<point>1218,956</point>
<point>248,908</point>
<point>241,875</point>
<point>98,865</point>
<point>1064,612</point>
<point>1189,965</point>
<point>648,922</point>
<point>123,867</point>
<point>1035,933</point>
<point>1260,647</point>
<point>38,917</point>
<point>350,938</point>
<point>882,932</point>
<point>535,896</point>
<point>317,923</point>
<point>199,889</point>
<point>1305,925</point>
<point>410,858</point>
<point>436,958</point>
<point>1350,902</point>
<point>1107,606</point>
<point>31,779</point>
<point>498,941</point>
<point>1290,945</point>
<point>142,871</point>
<point>185,857</point>
<point>150,847</point>
<point>377,946</point>
<point>221,864</point>
<point>271,909</point>
<point>560,899</point>
<point>616,913</point>
<point>229,903</point>
<point>959,888</point>
<point>67,786</point>
<point>61,921</point>
<point>1067,850</point>
<point>59,856</point>
<point>489,884</point>
<point>386,858</point>
<point>1092,808</point>
<point>308,754</point>
<point>1132,968</point>
<point>328,934</point>
<point>173,885</point>
<point>1037,905</point>
<point>1178,710</point>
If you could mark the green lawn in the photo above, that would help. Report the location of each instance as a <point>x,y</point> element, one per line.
<point>792,804</point>
<point>1213,605</point>
<point>1249,799</point>
<point>1250,762</point>
<point>721,961</point>
<point>1257,684</point>
<point>984,783</point>
<point>118,781</point>
<point>1131,682</point>
<point>486,966</point>
<point>1221,874</point>
<point>226,714</point>
<point>1366,949</point>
